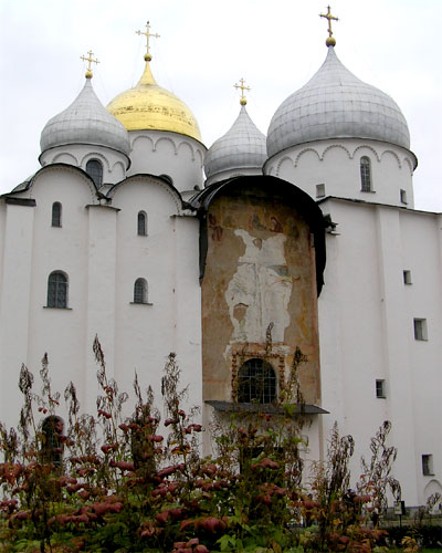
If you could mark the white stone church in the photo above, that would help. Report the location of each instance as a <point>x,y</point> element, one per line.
<point>232,257</point>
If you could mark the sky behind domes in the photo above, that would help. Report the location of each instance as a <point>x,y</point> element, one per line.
<point>206,47</point>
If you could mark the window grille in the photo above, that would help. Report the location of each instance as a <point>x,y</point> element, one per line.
<point>94,169</point>
<point>140,291</point>
<point>256,382</point>
<point>365,168</point>
<point>57,290</point>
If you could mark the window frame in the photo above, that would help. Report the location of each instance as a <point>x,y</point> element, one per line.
<point>56,215</point>
<point>420,329</point>
<point>142,223</point>
<point>403,196</point>
<point>427,464</point>
<point>365,174</point>
<point>141,291</point>
<point>96,175</point>
<point>406,275</point>
<point>253,374</point>
<point>57,290</point>
<point>380,388</point>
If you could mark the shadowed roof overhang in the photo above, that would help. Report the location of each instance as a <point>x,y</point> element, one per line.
<point>273,188</point>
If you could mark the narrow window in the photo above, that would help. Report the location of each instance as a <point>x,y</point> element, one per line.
<point>403,194</point>
<point>427,465</point>
<point>94,169</point>
<point>320,190</point>
<point>56,214</point>
<point>57,290</point>
<point>256,382</point>
<point>380,388</point>
<point>142,223</point>
<point>140,291</point>
<point>407,277</point>
<point>52,442</point>
<point>420,329</point>
<point>365,174</point>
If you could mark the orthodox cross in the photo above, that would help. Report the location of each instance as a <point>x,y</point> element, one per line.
<point>330,41</point>
<point>242,86</point>
<point>147,34</point>
<point>90,60</point>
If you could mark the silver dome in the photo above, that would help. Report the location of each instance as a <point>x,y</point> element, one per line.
<point>336,104</point>
<point>243,146</point>
<point>85,121</point>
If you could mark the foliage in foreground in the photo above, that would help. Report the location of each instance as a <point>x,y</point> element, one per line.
<point>141,485</point>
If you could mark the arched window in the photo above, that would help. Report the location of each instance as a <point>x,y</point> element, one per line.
<point>94,169</point>
<point>256,382</point>
<point>57,290</point>
<point>142,223</point>
<point>52,440</point>
<point>365,169</point>
<point>56,214</point>
<point>140,290</point>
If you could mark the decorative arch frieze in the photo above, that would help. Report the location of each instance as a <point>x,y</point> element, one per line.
<point>394,155</point>
<point>281,161</point>
<point>184,145</point>
<point>95,155</point>
<point>144,138</point>
<point>166,139</point>
<point>62,157</point>
<point>119,164</point>
<point>365,147</point>
<point>335,147</point>
<point>407,161</point>
<point>305,151</point>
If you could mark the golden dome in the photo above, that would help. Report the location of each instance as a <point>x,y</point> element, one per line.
<point>148,106</point>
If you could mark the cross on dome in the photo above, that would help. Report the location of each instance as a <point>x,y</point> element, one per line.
<point>147,34</point>
<point>242,86</point>
<point>331,41</point>
<point>90,60</point>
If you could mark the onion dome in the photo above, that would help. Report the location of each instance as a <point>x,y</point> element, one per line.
<point>85,121</point>
<point>243,147</point>
<point>148,106</point>
<point>336,104</point>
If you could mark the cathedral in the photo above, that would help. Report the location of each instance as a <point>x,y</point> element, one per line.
<point>235,257</point>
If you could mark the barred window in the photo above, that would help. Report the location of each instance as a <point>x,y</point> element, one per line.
<point>256,382</point>
<point>57,290</point>
<point>365,168</point>
<point>94,169</point>
<point>140,290</point>
<point>56,214</point>
<point>142,223</point>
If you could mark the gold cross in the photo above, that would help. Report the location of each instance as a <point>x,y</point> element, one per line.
<point>90,60</point>
<point>331,41</point>
<point>242,86</point>
<point>147,34</point>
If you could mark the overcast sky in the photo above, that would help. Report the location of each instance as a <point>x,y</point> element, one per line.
<point>205,47</point>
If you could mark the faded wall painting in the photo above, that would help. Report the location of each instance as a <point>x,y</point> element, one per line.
<point>259,292</point>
